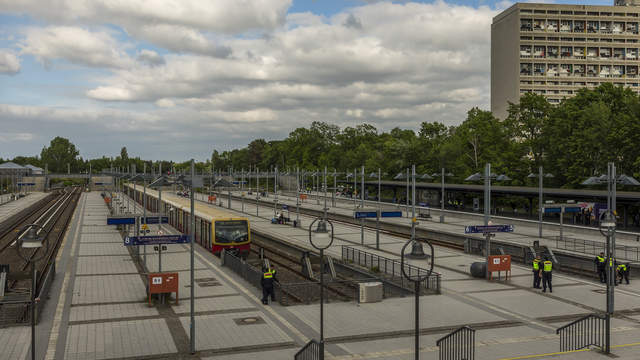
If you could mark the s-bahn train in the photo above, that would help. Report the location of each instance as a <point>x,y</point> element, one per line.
<point>216,228</point>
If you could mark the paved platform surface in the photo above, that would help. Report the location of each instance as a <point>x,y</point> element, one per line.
<point>515,320</point>
<point>11,208</point>
<point>102,310</point>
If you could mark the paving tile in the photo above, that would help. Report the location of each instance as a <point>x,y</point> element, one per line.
<point>219,332</point>
<point>108,288</point>
<point>223,303</point>
<point>119,339</point>
<point>92,265</point>
<point>15,342</point>
<point>110,311</point>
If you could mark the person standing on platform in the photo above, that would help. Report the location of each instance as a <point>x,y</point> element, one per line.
<point>601,262</point>
<point>268,278</point>
<point>547,267</point>
<point>536,272</point>
<point>623,272</point>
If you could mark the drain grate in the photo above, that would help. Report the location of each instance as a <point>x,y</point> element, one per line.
<point>207,282</point>
<point>600,291</point>
<point>205,279</point>
<point>252,320</point>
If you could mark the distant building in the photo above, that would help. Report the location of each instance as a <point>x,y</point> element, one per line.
<point>12,169</point>
<point>35,170</point>
<point>555,50</point>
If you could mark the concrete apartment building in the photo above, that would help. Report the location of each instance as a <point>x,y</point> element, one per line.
<point>555,50</point>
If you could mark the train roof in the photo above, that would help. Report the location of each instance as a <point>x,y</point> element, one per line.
<point>202,210</point>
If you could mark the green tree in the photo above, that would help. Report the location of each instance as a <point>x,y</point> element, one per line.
<point>526,123</point>
<point>58,154</point>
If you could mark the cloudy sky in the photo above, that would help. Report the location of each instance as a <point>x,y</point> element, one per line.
<point>175,79</point>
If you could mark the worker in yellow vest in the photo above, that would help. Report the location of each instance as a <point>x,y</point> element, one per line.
<point>268,278</point>
<point>547,267</point>
<point>536,272</point>
<point>622,272</point>
<point>601,262</point>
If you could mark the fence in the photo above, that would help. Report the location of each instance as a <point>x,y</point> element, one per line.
<point>15,307</point>
<point>390,267</point>
<point>587,331</point>
<point>458,345</point>
<point>240,267</point>
<point>631,253</point>
<point>311,351</point>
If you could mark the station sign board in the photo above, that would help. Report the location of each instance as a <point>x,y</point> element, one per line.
<point>562,209</point>
<point>26,184</point>
<point>572,209</point>
<point>475,229</point>
<point>365,214</point>
<point>155,240</point>
<point>154,219</point>
<point>385,214</point>
<point>552,210</point>
<point>121,220</point>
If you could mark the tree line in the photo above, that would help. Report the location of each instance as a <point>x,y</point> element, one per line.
<point>571,140</point>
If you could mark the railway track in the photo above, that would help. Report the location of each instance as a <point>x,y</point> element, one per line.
<point>54,217</point>
<point>575,264</point>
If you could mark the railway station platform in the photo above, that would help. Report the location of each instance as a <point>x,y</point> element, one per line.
<point>513,321</point>
<point>574,239</point>
<point>10,208</point>
<point>98,305</point>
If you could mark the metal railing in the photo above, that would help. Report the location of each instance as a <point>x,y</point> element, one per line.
<point>390,267</point>
<point>311,351</point>
<point>587,331</point>
<point>242,268</point>
<point>631,253</point>
<point>458,345</point>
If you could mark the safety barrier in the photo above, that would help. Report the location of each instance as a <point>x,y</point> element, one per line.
<point>587,331</point>
<point>240,267</point>
<point>631,253</point>
<point>390,267</point>
<point>458,345</point>
<point>311,351</point>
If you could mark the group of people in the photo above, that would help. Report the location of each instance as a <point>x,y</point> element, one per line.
<point>621,270</point>
<point>542,271</point>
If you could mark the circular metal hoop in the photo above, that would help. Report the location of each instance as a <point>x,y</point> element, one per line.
<point>20,241</point>
<point>418,278</point>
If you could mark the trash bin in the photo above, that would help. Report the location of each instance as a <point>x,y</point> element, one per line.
<point>478,269</point>
<point>295,223</point>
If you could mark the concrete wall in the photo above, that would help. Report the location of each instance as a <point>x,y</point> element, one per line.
<point>505,63</point>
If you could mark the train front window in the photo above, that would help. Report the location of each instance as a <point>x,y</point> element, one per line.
<point>232,231</point>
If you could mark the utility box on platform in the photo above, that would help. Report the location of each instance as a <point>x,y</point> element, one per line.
<point>370,292</point>
<point>160,283</point>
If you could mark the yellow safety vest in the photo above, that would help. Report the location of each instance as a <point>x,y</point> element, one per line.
<point>547,266</point>
<point>622,267</point>
<point>536,264</point>
<point>600,259</point>
<point>268,275</point>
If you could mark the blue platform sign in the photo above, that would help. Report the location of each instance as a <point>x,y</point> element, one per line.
<point>121,220</point>
<point>385,214</point>
<point>552,210</point>
<point>474,229</point>
<point>155,240</point>
<point>573,209</point>
<point>285,207</point>
<point>365,214</point>
<point>154,220</point>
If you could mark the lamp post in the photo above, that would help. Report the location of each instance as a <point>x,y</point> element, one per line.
<point>362,205</point>
<point>372,175</point>
<point>321,239</point>
<point>30,239</point>
<point>540,175</point>
<point>607,228</point>
<point>487,204</point>
<point>442,196</point>
<point>192,325</point>
<point>417,279</point>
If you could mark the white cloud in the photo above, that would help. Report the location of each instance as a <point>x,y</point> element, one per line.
<point>228,16</point>
<point>9,62</point>
<point>15,137</point>
<point>76,45</point>
<point>389,64</point>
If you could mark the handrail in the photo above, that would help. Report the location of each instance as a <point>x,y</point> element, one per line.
<point>586,331</point>
<point>454,333</point>
<point>458,345</point>
<point>311,351</point>
<point>599,316</point>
